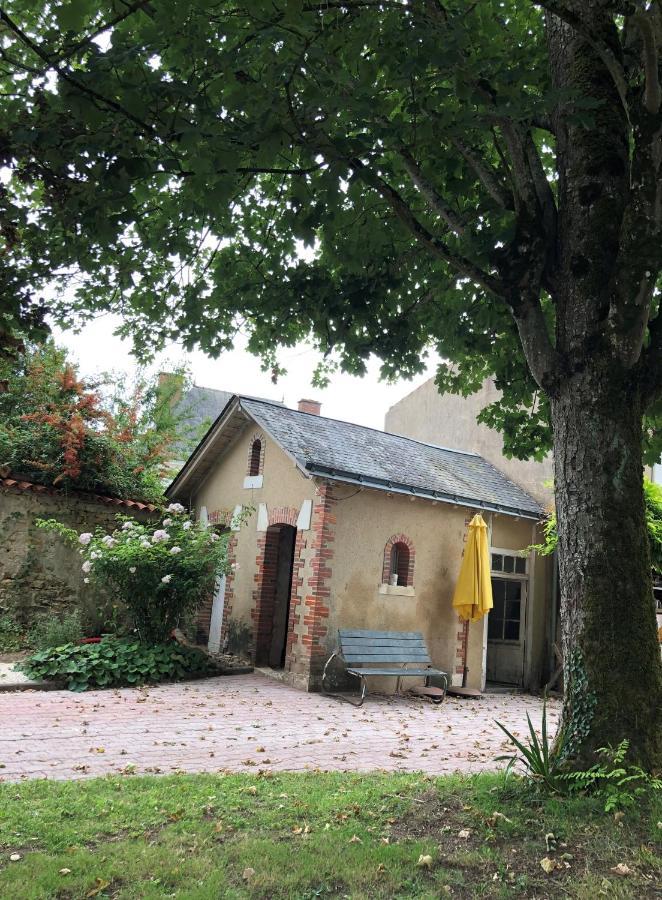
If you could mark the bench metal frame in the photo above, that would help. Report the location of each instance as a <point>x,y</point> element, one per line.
<point>360,649</point>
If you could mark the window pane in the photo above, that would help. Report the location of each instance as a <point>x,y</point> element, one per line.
<point>497,562</point>
<point>494,627</point>
<point>511,630</point>
<point>498,596</point>
<point>513,590</point>
<point>513,609</point>
<point>520,565</point>
<point>508,564</point>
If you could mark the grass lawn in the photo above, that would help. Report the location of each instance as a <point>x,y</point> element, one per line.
<point>318,835</point>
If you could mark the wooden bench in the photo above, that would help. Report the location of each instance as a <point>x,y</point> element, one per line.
<point>369,653</point>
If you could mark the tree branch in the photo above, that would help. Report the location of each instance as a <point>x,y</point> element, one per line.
<point>486,175</point>
<point>541,356</point>
<point>435,201</point>
<point>652,91</point>
<point>457,261</point>
<point>573,17</point>
<point>66,76</point>
<point>83,42</point>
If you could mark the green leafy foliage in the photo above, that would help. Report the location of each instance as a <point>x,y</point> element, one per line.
<point>53,631</point>
<point>344,131</point>
<point>539,757</point>
<point>58,429</point>
<point>159,570</point>
<point>620,784</point>
<point>653,504</point>
<point>12,634</point>
<point>240,637</point>
<point>115,662</point>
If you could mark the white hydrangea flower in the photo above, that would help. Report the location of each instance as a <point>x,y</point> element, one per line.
<point>132,569</point>
<point>213,536</point>
<point>145,543</point>
<point>160,535</point>
<point>85,538</point>
<point>87,566</point>
<point>108,540</point>
<point>167,522</point>
<point>175,550</point>
<point>86,580</point>
<point>175,508</point>
<point>186,525</point>
<point>127,525</point>
<point>166,579</point>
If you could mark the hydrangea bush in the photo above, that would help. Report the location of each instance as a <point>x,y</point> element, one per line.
<point>160,571</point>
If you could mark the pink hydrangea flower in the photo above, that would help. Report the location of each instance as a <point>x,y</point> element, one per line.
<point>85,538</point>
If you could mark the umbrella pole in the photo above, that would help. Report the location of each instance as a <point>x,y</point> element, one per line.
<point>465,654</point>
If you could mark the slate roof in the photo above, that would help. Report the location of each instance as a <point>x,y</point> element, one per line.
<point>201,404</point>
<point>358,455</point>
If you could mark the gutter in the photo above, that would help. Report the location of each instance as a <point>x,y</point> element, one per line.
<point>407,490</point>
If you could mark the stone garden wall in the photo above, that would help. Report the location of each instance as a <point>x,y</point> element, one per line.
<point>39,572</point>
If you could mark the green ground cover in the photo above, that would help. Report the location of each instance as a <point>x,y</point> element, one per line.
<point>320,835</point>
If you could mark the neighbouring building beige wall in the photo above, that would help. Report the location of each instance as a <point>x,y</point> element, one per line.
<point>40,572</point>
<point>449,420</point>
<point>283,486</point>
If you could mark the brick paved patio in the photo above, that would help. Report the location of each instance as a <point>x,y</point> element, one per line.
<point>248,722</point>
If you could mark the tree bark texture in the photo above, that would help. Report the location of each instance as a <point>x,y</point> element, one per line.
<point>612,668</point>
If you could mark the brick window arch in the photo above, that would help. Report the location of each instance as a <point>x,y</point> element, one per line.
<point>255,456</point>
<point>399,558</point>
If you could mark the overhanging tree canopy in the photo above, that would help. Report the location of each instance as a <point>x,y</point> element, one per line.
<point>482,176</point>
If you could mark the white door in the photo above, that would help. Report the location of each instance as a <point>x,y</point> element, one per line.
<point>506,627</point>
<point>216,623</point>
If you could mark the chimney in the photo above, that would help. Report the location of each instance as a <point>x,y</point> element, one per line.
<point>314,407</point>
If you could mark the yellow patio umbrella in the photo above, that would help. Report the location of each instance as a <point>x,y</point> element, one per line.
<point>473,592</point>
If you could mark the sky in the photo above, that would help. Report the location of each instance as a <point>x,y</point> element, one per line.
<point>360,400</point>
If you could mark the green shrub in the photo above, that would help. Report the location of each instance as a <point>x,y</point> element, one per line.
<point>12,635</point>
<point>538,757</point>
<point>161,571</point>
<point>115,663</point>
<point>50,631</point>
<point>617,782</point>
<point>240,637</point>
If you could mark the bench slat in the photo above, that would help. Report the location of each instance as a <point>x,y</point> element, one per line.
<point>362,633</point>
<point>355,642</point>
<point>418,673</point>
<point>386,657</point>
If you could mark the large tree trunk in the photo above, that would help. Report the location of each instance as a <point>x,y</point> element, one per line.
<point>612,670</point>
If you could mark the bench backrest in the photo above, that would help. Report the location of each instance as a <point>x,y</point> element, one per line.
<point>364,647</point>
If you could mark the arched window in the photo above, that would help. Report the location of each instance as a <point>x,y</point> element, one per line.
<point>398,567</point>
<point>255,457</point>
<point>400,564</point>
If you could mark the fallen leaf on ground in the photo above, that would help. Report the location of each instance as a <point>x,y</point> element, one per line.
<point>248,873</point>
<point>15,857</point>
<point>621,869</point>
<point>464,833</point>
<point>424,861</point>
<point>355,839</point>
<point>65,871</point>
<point>100,885</point>
<point>493,819</point>
<point>547,865</point>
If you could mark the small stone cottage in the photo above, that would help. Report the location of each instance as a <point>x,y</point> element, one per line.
<point>354,527</point>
